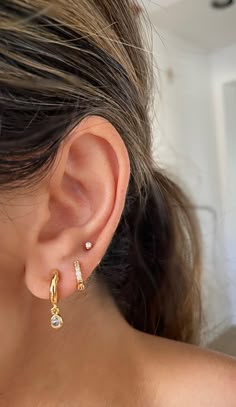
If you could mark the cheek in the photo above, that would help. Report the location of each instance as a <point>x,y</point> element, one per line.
<point>20,219</point>
<point>12,247</point>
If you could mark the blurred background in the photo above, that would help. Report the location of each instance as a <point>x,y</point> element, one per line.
<point>194,123</point>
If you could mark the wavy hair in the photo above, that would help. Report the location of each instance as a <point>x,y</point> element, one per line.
<point>61,61</point>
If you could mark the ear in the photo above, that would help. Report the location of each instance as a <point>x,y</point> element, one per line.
<point>83,201</point>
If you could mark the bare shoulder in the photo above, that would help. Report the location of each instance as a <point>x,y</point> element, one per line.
<point>186,375</point>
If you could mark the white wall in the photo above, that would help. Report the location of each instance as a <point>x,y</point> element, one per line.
<point>229,92</point>
<point>223,66</point>
<point>185,142</point>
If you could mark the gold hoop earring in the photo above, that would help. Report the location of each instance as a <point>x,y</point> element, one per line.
<point>80,282</point>
<point>56,319</point>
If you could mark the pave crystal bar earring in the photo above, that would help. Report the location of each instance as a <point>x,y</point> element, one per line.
<point>56,319</point>
<point>79,278</point>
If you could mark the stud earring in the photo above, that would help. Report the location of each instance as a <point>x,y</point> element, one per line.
<point>80,282</point>
<point>56,319</point>
<point>88,245</point>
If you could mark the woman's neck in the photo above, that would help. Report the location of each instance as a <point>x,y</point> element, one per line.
<point>38,362</point>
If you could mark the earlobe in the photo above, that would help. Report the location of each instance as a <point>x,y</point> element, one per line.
<point>85,199</point>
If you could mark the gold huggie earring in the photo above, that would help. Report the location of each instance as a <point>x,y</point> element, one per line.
<point>80,282</point>
<point>56,319</point>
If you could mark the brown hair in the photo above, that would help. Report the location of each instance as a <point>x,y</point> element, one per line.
<point>61,61</point>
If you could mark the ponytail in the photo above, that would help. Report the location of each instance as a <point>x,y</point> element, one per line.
<point>152,266</point>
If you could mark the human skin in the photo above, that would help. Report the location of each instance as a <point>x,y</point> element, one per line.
<point>96,358</point>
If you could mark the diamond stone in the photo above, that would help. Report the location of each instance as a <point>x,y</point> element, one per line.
<point>56,321</point>
<point>88,245</point>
